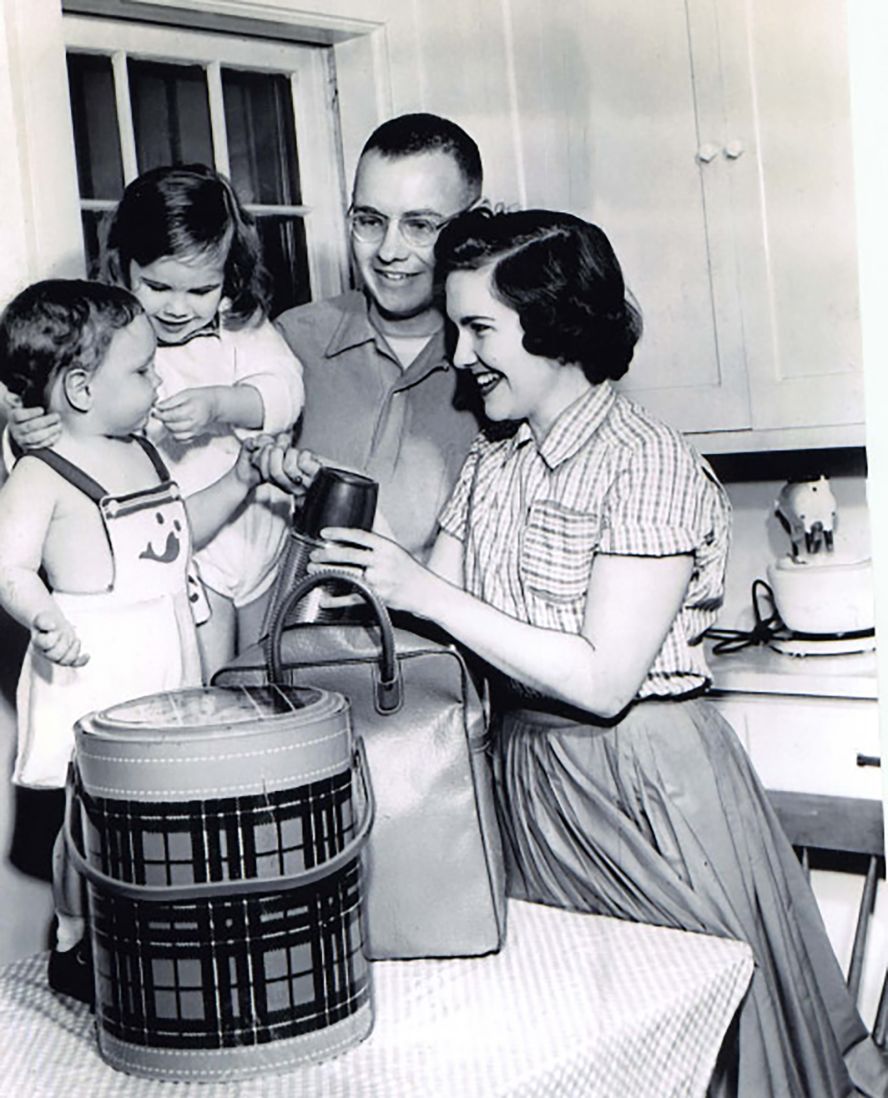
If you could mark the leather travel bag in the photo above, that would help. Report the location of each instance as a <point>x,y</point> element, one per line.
<point>434,874</point>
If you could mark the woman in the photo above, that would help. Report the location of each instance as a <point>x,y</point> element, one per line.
<point>583,557</point>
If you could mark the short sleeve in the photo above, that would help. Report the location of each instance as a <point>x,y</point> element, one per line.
<point>263,360</point>
<point>660,503</point>
<point>454,514</point>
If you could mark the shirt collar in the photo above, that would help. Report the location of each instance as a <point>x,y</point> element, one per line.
<point>573,428</point>
<point>355,328</point>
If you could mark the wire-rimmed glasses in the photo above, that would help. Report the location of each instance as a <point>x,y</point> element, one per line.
<point>370,227</point>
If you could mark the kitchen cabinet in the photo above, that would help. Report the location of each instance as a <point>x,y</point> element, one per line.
<point>809,745</point>
<point>811,725</point>
<point>711,139</point>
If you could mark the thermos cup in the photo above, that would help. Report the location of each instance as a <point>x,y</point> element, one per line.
<point>336,497</point>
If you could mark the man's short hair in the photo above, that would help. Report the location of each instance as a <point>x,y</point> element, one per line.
<point>409,134</point>
<point>56,325</point>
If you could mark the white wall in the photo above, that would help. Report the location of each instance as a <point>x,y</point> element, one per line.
<point>39,218</point>
<point>33,245</point>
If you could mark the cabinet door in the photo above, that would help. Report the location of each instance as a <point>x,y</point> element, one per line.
<point>799,265</point>
<point>772,101</point>
<point>606,109</point>
<point>711,140</point>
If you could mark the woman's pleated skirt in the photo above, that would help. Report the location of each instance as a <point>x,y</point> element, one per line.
<point>661,819</point>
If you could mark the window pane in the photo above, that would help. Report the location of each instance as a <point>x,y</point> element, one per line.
<point>284,252</point>
<point>96,138</point>
<point>171,114</point>
<point>95,226</point>
<point>261,137</point>
<point>90,222</point>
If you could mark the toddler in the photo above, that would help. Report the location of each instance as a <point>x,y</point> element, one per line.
<point>181,242</point>
<point>99,514</point>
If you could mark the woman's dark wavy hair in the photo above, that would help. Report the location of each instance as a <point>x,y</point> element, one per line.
<point>189,209</point>
<point>56,325</point>
<point>560,275</point>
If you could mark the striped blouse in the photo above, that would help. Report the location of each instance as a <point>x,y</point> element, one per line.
<point>607,478</point>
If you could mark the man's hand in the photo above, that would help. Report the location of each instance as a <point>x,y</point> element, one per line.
<point>188,414</point>
<point>290,469</point>
<point>32,428</point>
<point>54,636</point>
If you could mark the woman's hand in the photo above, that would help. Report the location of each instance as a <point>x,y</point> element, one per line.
<point>400,581</point>
<point>188,414</point>
<point>54,636</point>
<point>32,428</point>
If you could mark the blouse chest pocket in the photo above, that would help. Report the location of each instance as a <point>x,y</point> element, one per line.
<point>556,553</point>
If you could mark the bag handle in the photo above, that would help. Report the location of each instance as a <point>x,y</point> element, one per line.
<point>388,684</point>
<point>203,890</point>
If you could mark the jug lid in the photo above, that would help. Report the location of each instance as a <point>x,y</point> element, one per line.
<point>201,710</point>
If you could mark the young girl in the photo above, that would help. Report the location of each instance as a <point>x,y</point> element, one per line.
<point>583,558</point>
<point>100,515</point>
<point>181,242</point>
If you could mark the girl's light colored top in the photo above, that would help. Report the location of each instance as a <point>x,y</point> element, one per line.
<point>607,478</point>
<point>254,355</point>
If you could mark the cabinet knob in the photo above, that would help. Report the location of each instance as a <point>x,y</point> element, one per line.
<point>734,150</point>
<point>868,760</point>
<point>707,152</point>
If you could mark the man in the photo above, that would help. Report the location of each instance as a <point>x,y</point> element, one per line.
<point>381,393</point>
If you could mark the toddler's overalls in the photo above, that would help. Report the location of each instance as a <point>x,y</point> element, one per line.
<point>139,634</point>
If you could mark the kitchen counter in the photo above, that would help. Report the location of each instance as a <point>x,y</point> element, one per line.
<point>761,670</point>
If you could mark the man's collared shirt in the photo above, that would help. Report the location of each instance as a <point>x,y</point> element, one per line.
<point>403,427</point>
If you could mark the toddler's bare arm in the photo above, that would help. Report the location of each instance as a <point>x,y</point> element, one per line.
<point>26,514</point>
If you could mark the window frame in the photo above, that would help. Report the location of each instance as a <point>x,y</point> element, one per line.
<point>314,97</point>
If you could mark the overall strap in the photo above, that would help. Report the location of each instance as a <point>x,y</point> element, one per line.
<point>68,471</point>
<point>154,457</point>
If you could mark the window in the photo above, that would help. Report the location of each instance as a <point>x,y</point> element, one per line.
<point>260,112</point>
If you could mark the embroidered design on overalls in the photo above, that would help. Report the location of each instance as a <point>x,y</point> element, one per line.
<point>173,545</point>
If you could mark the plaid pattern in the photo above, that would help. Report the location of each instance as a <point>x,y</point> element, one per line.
<point>608,478</point>
<point>226,972</point>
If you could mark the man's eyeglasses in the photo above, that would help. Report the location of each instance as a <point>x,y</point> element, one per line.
<point>418,232</point>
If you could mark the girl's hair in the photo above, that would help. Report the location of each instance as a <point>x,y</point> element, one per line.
<point>55,326</point>
<point>186,210</point>
<point>559,274</point>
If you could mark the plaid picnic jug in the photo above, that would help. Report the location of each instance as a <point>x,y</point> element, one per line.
<point>220,839</point>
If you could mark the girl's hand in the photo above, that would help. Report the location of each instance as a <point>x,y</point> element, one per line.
<point>32,428</point>
<point>54,636</point>
<point>400,581</point>
<point>188,414</point>
<point>252,456</point>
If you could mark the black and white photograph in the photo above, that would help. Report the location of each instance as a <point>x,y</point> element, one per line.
<point>443,548</point>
